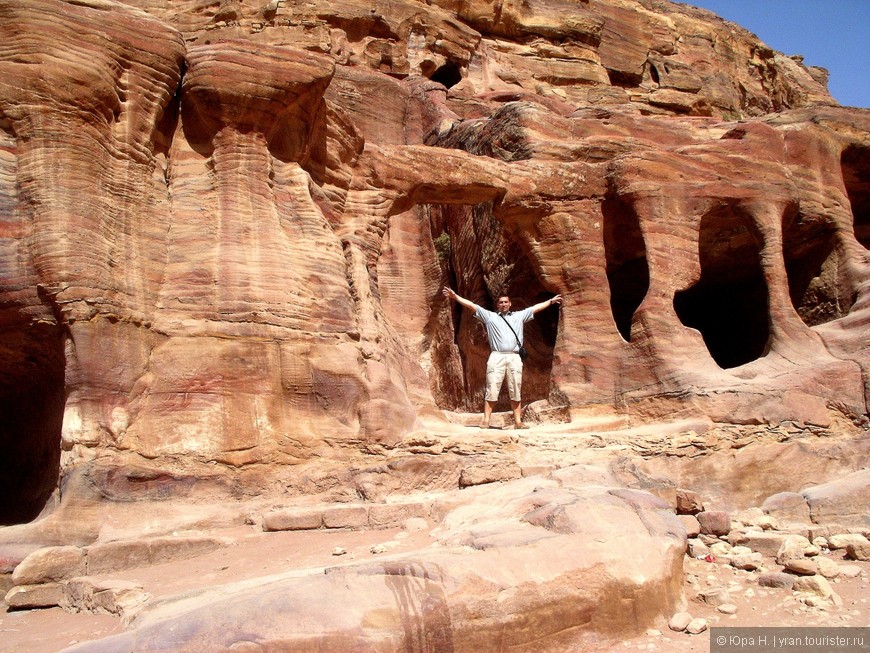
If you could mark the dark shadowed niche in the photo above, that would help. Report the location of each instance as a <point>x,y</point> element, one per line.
<point>855,162</point>
<point>626,262</point>
<point>482,262</point>
<point>448,74</point>
<point>32,398</point>
<point>728,304</point>
<point>819,290</point>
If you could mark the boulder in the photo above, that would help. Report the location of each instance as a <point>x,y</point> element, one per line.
<point>688,502</point>
<point>30,597</point>
<point>776,579</point>
<point>787,506</point>
<point>858,550</point>
<point>842,501</point>
<point>714,522</point>
<point>50,564</point>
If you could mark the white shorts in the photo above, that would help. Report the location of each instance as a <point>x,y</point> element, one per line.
<point>500,366</point>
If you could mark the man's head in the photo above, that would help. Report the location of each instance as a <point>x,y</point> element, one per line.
<point>503,305</point>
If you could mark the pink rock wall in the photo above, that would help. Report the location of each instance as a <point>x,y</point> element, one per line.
<point>224,226</point>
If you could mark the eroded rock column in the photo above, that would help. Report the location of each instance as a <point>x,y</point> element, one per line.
<point>81,233</point>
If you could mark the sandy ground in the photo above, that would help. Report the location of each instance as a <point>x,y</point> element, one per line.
<point>257,554</point>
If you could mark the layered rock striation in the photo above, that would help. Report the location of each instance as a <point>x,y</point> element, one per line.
<point>224,226</point>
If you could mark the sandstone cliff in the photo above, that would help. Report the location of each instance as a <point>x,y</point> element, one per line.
<point>225,224</point>
<point>224,227</point>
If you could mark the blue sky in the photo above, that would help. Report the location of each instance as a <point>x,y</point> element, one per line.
<point>833,34</point>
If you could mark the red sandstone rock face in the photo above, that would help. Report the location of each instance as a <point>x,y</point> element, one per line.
<point>224,226</point>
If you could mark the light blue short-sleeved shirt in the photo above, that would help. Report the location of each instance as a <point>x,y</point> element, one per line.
<point>498,333</point>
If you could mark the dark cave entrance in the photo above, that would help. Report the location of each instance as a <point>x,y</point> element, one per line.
<point>481,261</point>
<point>855,163</point>
<point>818,291</point>
<point>728,304</point>
<point>626,263</point>
<point>32,399</point>
<point>448,74</point>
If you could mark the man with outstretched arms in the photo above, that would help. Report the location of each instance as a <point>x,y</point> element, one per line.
<point>504,330</point>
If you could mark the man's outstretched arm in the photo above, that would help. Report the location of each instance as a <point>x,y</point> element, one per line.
<point>450,294</point>
<point>537,308</point>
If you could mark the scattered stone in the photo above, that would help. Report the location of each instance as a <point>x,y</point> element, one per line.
<point>821,542</point>
<point>691,524</point>
<point>680,621</point>
<point>776,579</point>
<point>858,550</point>
<point>757,518</point>
<point>54,563</point>
<point>814,601</point>
<point>764,542</point>
<point>843,540</point>
<point>801,566</point>
<point>29,597</point>
<point>697,549</point>
<point>793,547</point>
<point>747,561</point>
<point>813,585</point>
<point>797,529</point>
<point>850,571</point>
<point>104,596</point>
<point>727,608</point>
<point>115,556</point>
<point>720,548</point>
<point>828,568</point>
<point>715,597</point>
<point>714,522</point>
<point>696,626</point>
<point>688,502</point>
<point>339,551</point>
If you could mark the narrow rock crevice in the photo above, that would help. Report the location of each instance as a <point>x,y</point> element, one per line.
<point>627,266</point>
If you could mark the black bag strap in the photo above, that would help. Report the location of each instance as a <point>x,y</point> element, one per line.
<point>512,330</point>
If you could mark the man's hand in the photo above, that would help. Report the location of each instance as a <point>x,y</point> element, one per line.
<point>537,308</point>
<point>449,294</point>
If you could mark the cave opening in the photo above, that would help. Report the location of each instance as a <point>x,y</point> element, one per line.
<point>855,164</point>
<point>481,262</point>
<point>32,399</point>
<point>626,262</point>
<point>818,291</point>
<point>448,74</point>
<point>729,303</point>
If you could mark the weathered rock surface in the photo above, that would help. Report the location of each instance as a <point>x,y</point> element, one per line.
<point>235,251</point>
<point>531,564</point>
<point>223,231</point>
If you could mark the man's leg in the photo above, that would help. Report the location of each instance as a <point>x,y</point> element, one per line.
<point>516,406</point>
<point>495,374</point>
<point>515,384</point>
<point>487,412</point>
